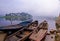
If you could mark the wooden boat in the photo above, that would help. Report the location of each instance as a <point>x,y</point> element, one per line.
<point>22,34</point>
<point>43,25</point>
<point>40,34</point>
<point>33,25</point>
<point>52,31</point>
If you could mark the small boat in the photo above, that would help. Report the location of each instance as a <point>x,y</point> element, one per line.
<point>33,25</point>
<point>40,32</point>
<point>38,36</point>
<point>52,31</point>
<point>43,25</point>
<point>22,34</point>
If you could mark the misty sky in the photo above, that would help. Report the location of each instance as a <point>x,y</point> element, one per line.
<point>33,7</point>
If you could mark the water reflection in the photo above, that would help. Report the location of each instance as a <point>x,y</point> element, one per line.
<point>14,18</point>
<point>6,22</point>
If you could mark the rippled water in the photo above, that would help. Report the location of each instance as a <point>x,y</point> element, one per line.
<point>51,22</point>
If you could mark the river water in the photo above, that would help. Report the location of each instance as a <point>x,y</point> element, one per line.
<point>51,22</point>
<point>4,22</point>
<point>51,25</point>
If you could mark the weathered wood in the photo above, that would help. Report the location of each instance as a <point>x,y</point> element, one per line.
<point>21,35</point>
<point>43,25</point>
<point>38,36</point>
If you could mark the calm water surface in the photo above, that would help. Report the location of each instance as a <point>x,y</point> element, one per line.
<point>4,22</point>
<point>51,23</point>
